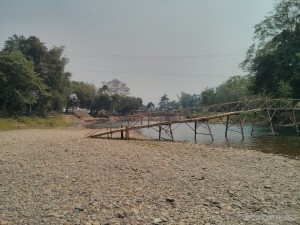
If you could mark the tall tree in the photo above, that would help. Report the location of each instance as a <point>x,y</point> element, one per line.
<point>208,96</point>
<point>49,65</point>
<point>150,106</point>
<point>273,60</point>
<point>163,104</point>
<point>234,89</point>
<point>128,104</point>
<point>82,94</point>
<point>20,86</point>
<point>116,87</point>
<point>187,100</point>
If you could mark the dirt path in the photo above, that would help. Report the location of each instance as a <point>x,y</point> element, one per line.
<point>56,176</point>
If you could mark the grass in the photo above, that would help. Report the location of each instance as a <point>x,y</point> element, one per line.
<point>32,122</point>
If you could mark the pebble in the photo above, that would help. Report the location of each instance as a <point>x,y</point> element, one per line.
<point>157,221</point>
<point>169,199</point>
<point>93,183</point>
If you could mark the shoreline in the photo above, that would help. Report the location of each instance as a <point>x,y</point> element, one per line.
<point>57,176</point>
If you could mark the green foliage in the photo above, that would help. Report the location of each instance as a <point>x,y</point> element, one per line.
<point>49,66</point>
<point>188,101</point>
<point>112,98</point>
<point>274,61</point>
<point>150,106</point>
<point>208,96</point>
<point>82,95</point>
<point>128,104</point>
<point>20,87</point>
<point>163,104</point>
<point>101,102</point>
<point>236,88</point>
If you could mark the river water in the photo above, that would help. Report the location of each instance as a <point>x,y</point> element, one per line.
<point>286,142</point>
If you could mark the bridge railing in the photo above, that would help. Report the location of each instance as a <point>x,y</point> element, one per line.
<point>238,106</point>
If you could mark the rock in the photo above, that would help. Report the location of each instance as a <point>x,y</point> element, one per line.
<point>169,199</point>
<point>164,219</point>
<point>79,207</point>
<point>157,221</point>
<point>268,186</point>
<point>237,205</point>
<point>135,211</point>
<point>120,214</point>
<point>54,214</point>
<point>206,203</point>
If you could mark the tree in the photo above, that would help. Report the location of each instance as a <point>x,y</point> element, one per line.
<point>163,104</point>
<point>273,61</point>
<point>187,100</point>
<point>20,86</point>
<point>49,65</point>
<point>101,102</point>
<point>82,94</point>
<point>116,87</point>
<point>236,88</point>
<point>173,105</point>
<point>150,105</point>
<point>207,96</point>
<point>129,104</point>
<point>56,79</point>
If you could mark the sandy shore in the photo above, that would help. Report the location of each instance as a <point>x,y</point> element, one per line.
<point>57,176</point>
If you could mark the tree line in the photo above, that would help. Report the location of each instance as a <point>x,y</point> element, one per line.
<point>272,63</point>
<point>33,80</point>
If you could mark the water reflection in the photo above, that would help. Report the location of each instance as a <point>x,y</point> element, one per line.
<point>286,143</point>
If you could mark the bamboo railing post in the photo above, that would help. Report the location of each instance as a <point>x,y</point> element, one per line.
<point>295,121</point>
<point>171,132</point>
<point>227,121</point>
<point>159,132</point>
<point>195,134</point>
<point>241,124</point>
<point>122,133</point>
<point>127,132</point>
<point>270,121</point>
<point>142,118</point>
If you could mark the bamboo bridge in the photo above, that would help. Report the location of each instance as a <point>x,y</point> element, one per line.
<point>271,113</point>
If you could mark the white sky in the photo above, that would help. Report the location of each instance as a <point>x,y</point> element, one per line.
<point>156,46</point>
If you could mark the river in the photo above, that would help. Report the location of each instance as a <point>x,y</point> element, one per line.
<point>286,143</point>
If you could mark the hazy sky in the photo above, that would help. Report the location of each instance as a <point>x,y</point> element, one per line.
<point>156,46</point>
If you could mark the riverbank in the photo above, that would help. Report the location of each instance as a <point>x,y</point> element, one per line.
<point>23,122</point>
<point>57,176</point>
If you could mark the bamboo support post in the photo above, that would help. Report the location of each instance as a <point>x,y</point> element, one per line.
<point>227,121</point>
<point>127,132</point>
<point>159,132</point>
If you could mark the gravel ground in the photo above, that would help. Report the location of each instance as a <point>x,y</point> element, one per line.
<point>57,176</point>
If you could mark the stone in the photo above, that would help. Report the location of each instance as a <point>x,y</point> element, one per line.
<point>164,219</point>
<point>157,221</point>
<point>135,211</point>
<point>120,214</point>
<point>268,186</point>
<point>169,199</point>
<point>79,207</point>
